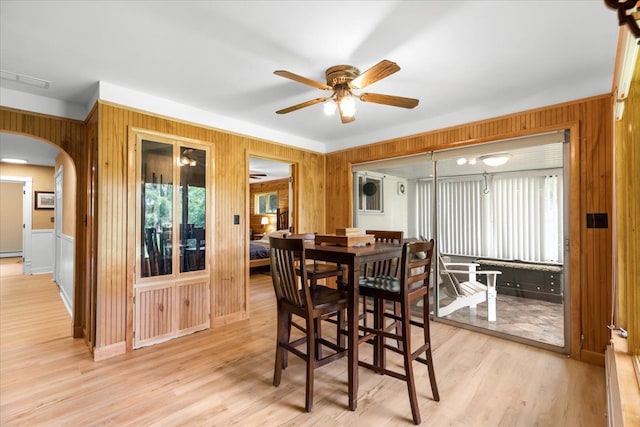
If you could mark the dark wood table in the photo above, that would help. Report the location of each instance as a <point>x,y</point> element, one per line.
<point>353,258</point>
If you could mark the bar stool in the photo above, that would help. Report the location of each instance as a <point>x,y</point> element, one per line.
<point>411,285</point>
<point>295,296</point>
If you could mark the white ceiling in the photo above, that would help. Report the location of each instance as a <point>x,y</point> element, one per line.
<point>212,62</point>
<point>21,147</point>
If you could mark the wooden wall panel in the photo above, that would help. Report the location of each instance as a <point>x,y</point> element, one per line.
<point>627,155</point>
<point>591,171</point>
<point>70,136</point>
<point>229,276</point>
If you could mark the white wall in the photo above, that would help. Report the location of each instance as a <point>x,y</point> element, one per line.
<point>65,281</point>
<point>42,251</point>
<point>395,208</point>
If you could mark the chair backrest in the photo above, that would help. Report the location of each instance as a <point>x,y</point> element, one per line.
<point>285,255</point>
<point>416,265</point>
<point>304,236</point>
<point>387,267</point>
<point>387,236</point>
<point>450,280</point>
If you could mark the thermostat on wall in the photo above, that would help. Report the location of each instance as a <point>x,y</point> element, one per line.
<point>401,188</point>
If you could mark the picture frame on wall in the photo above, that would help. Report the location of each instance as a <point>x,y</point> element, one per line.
<point>45,200</point>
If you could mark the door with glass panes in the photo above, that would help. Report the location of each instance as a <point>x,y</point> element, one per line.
<point>172,273</point>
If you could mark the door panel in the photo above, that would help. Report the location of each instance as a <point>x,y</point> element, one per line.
<point>172,264</point>
<point>193,306</point>
<point>154,314</point>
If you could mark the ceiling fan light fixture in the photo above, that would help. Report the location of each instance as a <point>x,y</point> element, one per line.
<point>186,160</point>
<point>348,106</point>
<point>330,108</point>
<point>495,159</point>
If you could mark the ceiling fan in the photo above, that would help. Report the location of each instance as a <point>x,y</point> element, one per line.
<point>257,175</point>
<point>341,81</point>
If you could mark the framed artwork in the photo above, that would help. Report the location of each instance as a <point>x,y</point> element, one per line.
<point>45,200</point>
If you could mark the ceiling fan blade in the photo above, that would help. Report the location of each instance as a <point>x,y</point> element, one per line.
<point>302,105</point>
<point>394,101</point>
<point>379,71</point>
<point>300,79</point>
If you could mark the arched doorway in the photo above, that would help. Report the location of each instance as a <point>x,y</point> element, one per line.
<point>48,202</point>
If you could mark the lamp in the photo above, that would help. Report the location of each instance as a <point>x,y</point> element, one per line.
<point>495,159</point>
<point>264,221</point>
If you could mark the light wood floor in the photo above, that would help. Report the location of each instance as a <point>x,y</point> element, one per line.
<point>223,377</point>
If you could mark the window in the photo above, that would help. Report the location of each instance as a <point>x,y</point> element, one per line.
<point>370,193</point>
<point>266,203</point>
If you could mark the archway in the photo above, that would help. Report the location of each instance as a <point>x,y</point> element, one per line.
<point>49,223</point>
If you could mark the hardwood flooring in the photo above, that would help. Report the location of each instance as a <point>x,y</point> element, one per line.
<point>223,377</point>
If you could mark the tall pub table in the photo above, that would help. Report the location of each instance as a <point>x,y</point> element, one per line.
<point>353,257</point>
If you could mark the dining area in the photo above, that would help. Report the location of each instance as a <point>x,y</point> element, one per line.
<point>374,298</point>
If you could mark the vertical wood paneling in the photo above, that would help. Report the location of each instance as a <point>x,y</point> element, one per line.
<point>156,304</point>
<point>591,274</point>
<point>192,306</point>
<point>627,155</point>
<point>229,257</point>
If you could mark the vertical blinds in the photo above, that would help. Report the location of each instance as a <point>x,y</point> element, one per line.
<point>506,216</point>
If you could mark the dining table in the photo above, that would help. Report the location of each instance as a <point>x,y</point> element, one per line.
<point>353,258</point>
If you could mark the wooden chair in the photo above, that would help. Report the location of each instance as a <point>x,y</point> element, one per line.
<point>295,296</point>
<point>316,270</point>
<point>380,268</point>
<point>411,285</point>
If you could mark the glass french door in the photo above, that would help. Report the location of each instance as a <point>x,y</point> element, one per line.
<point>501,232</point>
<point>172,251</point>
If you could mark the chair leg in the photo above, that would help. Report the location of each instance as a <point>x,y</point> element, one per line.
<point>379,359</point>
<point>341,326</point>
<point>287,338</point>
<point>396,310</point>
<point>316,337</point>
<point>283,326</point>
<point>429,358</point>
<point>408,363</point>
<point>311,364</point>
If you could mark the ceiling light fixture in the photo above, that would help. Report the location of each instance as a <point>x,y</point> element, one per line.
<point>341,80</point>
<point>186,159</point>
<point>15,161</point>
<point>495,159</point>
<point>24,79</point>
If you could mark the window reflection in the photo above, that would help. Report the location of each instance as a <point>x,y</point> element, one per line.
<point>192,209</point>
<point>157,208</point>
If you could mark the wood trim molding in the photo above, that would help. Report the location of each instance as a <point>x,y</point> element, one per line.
<point>109,351</point>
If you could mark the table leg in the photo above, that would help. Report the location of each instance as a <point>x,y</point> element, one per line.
<point>352,315</point>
